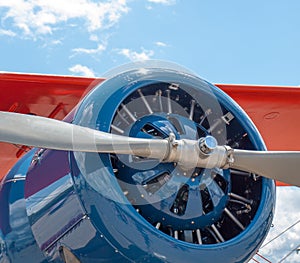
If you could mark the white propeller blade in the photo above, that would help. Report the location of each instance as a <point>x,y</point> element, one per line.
<point>53,134</point>
<point>282,166</point>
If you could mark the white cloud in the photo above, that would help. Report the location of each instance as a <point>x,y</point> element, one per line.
<point>160,44</point>
<point>94,37</point>
<point>100,48</point>
<point>165,2</point>
<point>136,56</point>
<point>287,212</point>
<point>82,70</point>
<point>36,18</point>
<point>56,42</point>
<point>8,33</point>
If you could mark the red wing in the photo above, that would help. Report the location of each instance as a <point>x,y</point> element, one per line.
<point>43,95</point>
<point>274,110</point>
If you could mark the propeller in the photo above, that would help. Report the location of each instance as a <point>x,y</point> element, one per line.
<point>278,165</point>
<point>48,133</point>
<point>53,134</point>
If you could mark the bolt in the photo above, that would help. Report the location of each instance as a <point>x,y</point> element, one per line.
<point>207,144</point>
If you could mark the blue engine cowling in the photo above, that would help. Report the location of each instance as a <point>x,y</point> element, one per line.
<point>88,207</point>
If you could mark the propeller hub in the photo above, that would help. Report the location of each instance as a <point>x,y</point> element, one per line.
<point>208,144</point>
<point>169,192</point>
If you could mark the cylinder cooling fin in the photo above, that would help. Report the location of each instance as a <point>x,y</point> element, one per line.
<point>173,213</point>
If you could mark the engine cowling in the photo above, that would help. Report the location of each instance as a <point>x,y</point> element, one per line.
<point>156,211</point>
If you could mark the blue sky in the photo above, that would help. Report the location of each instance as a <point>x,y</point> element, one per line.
<point>251,42</point>
<point>223,41</point>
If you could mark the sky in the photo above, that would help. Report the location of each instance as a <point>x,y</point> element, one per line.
<point>250,42</point>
